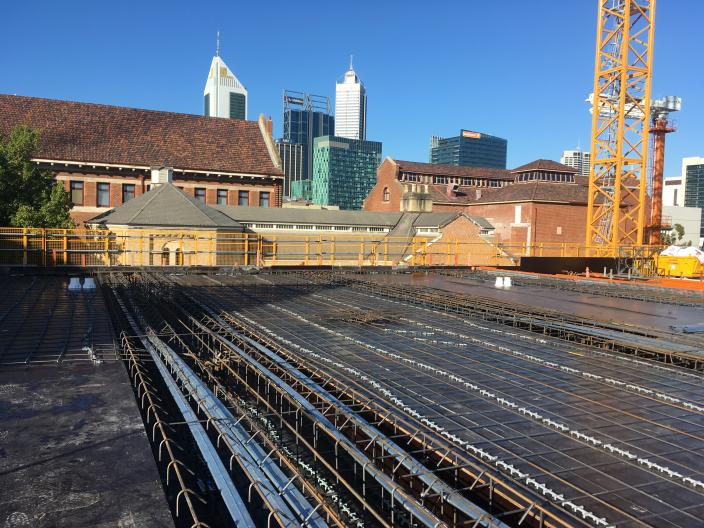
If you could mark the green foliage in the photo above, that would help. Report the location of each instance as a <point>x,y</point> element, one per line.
<point>29,197</point>
<point>674,236</point>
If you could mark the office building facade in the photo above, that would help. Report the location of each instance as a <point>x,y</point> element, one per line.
<point>351,107</point>
<point>469,149</point>
<point>306,117</point>
<point>344,170</point>
<point>693,183</point>
<point>224,95</point>
<point>577,159</point>
<point>292,163</point>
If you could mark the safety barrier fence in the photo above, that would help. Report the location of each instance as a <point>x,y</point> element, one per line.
<point>160,247</point>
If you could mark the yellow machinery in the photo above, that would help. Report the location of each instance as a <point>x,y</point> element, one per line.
<point>620,121</point>
<point>679,266</point>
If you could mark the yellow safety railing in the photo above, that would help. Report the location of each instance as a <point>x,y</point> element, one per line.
<point>163,247</point>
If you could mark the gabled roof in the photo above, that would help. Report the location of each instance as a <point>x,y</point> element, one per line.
<point>452,170</point>
<point>114,135</point>
<point>166,205</point>
<point>545,165</point>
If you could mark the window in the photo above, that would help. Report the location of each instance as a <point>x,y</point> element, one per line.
<point>243,198</point>
<point>77,192</point>
<point>127,192</point>
<point>199,193</point>
<point>222,196</point>
<point>206,105</point>
<point>263,199</point>
<point>237,105</point>
<point>386,194</point>
<point>103,195</point>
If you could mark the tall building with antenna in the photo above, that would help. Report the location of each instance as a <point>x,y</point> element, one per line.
<point>351,107</point>
<point>224,95</point>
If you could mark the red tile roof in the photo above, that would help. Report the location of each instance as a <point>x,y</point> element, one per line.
<point>452,170</point>
<point>545,165</point>
<point>532,191</point>
<point>94,133</point>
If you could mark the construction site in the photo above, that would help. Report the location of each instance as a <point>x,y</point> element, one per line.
<point>175,364</point>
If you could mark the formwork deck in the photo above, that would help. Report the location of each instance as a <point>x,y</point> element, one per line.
<point>614,436</point>
<point>73,449</point>
<point>581,303</point>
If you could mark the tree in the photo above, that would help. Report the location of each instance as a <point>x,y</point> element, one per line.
<point>673,236</point>
<point>29,197</point>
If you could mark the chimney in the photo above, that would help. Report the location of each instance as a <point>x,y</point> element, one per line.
<point>270,127</point>
<point>162,174</point>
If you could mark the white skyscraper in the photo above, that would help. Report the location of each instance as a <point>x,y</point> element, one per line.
<point>351,107</point>
<point>577,159</point>
<point>224,95</point>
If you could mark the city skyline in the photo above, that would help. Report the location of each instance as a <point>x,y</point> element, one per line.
<point>451,96</point>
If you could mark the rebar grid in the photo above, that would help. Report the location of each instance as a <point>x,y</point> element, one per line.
<point>265,301</point>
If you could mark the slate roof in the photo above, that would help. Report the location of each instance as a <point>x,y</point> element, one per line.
<point>453,170</point>
<point>95,133</point>
<point>166,205</point>
<point>545,165</point>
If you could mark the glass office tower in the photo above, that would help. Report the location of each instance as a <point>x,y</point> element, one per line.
<point>694,189</point>
<point>469,149</point>
<point>305,118</point>
<point>344,170</point>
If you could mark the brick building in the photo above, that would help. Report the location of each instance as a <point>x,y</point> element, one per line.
<point>103,154</point>
<point>543,202</point>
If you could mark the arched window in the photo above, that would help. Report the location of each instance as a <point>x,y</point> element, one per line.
<point>386,194</point>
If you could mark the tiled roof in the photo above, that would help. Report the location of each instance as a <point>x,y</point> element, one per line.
<point>165,205</point>
<point>546,165</point>
<point>93,133</point>
<point>532,191</point>
<point>328,216</point>
<point>168,206</point>
<point>452,170</point>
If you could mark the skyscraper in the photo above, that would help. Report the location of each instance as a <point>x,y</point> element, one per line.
<point>344,170</point>
<point>224,94</point>
<point>469,149</point>
<point>577,159</point>
<point>291,155</point>
<point>306,117</point>
<point>351,107</point>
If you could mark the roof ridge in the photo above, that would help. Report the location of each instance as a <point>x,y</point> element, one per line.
<point>104,105</point>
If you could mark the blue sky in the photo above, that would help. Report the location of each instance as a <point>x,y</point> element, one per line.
<point>519,69</point>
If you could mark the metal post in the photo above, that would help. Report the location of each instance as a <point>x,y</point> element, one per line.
<point>65,241</point>
<point>25,242</point>
<point>106,247</point>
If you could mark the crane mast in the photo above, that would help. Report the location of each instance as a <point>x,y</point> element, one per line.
<point>620,125</point>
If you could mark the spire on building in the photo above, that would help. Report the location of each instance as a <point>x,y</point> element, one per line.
<point>224,94</point>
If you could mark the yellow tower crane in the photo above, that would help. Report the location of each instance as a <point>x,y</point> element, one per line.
<point>620,123</point>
